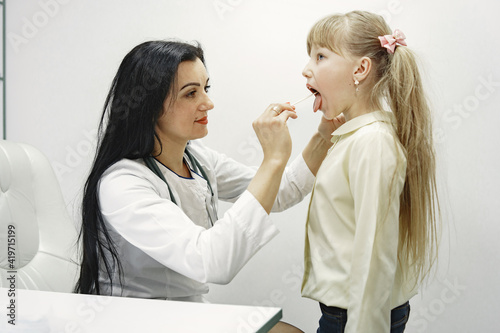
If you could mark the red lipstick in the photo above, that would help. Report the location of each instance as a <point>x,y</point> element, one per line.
<point>203,120</point>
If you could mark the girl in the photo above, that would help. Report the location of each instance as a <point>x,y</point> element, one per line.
<point>371,227</point>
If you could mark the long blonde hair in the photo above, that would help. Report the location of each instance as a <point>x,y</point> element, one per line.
<point>398,82</point>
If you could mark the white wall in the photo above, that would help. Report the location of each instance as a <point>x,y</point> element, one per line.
<point>62,56</point>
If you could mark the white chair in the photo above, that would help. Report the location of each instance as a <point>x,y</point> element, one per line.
<point>32,207</point>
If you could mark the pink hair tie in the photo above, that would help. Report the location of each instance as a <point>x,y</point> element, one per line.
<point>390,41</point>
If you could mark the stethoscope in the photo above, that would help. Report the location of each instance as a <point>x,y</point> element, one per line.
<point>212,213</point>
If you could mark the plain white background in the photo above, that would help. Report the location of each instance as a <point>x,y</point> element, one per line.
<point>63,54</point>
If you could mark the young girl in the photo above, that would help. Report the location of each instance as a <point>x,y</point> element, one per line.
<point>371,228</point>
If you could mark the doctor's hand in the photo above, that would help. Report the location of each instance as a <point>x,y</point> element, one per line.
<point>328,126</point>
<point>272,131</point>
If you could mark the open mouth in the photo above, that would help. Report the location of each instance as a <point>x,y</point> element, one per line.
<point>314,91</point>
<point>318,100</point>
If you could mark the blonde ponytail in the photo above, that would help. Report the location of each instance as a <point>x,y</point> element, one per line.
<point>419,207</point>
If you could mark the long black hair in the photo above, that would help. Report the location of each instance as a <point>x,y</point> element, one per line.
<point>126,130</point>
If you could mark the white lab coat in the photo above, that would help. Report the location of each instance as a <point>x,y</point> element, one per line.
<point>171,251</point>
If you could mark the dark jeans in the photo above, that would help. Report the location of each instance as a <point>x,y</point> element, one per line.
<point>334,319</point>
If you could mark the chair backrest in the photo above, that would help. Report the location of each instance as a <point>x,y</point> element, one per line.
<point>34,223</point>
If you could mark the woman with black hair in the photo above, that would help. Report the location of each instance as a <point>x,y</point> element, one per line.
<point>149,215</point>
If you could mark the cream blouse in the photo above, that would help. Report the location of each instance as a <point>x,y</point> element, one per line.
<point>351,258</point>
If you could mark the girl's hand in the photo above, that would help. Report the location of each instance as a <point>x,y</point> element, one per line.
<point>272,131</point>
<point>327,127</point>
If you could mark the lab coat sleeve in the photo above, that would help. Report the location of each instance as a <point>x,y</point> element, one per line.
<point>130,202</point>
<point>376,173</point>
<point>233,178</point>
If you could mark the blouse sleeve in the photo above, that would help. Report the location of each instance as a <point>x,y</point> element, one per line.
<point>130,202</point>
<point>377,168</point>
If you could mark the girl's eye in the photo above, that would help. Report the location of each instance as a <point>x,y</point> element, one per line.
<point>321,57</point>
<point>207,88</point>
<point>191,93</point>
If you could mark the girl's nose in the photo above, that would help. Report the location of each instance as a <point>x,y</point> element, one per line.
<point>306,72</point>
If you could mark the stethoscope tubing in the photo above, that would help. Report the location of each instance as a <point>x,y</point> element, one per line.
<point>150,162</point>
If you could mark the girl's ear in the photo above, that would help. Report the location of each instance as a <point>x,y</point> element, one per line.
<point>362,69</point>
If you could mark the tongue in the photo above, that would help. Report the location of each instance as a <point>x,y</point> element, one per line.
<point>317,102</point>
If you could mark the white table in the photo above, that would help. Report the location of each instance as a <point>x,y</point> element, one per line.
<point>41,312</point>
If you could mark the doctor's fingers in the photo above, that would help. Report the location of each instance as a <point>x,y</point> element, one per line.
<point>275,116</point>
<point>277,123</point>
<point>276,109</point>
<point>284,115</point>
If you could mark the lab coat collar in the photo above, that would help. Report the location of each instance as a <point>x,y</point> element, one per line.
<point>201,162</point>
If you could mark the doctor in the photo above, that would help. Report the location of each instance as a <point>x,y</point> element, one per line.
<point>150,227</point>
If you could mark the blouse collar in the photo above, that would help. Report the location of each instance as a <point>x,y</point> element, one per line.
<point>363,120</point>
